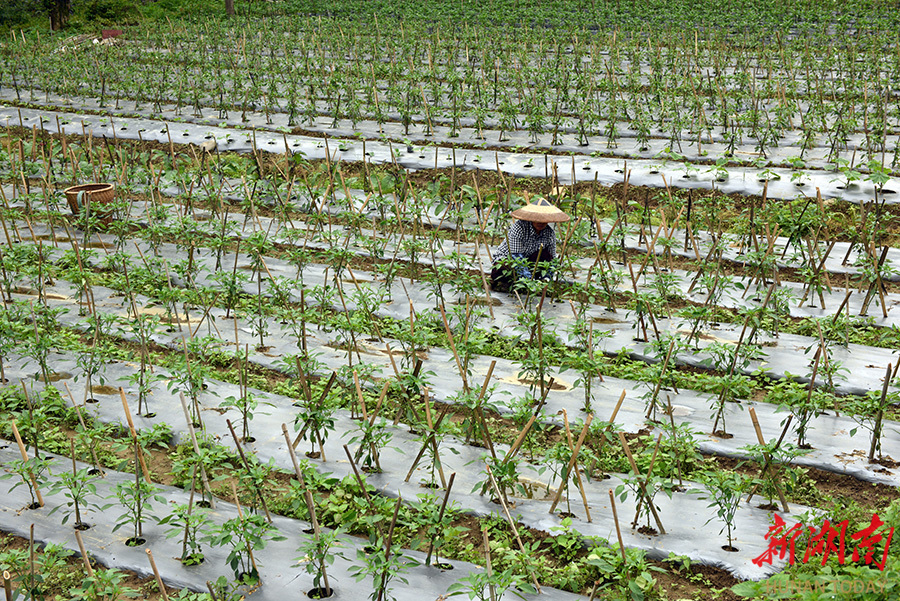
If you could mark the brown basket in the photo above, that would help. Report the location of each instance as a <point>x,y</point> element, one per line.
<point>98,194</point>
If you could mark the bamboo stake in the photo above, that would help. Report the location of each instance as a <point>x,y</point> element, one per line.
<point>486,545</point>
<point>573,464</point>
<point>651,409</point>
<point>609,424</point>
<point>388,544</point>
<point>641,482</point>
<point>362,486</point>
<point>134,438</point>
<point>212,592</point>
<point>876,430</point>
<point>19,442</point>
<point>768,460</point>
<point>159,581</point>
<point>514,449</point>
<point>428,442</point>
<point>637,512</point>
<point>246,463</point>
<point>84,554</point>
<point>237,504</point>
<point>81,421</point>
<point>462,372</point>
<point>440,516</point>
<point>784,431</point>
<point>307,497</point>
<point>486,435</point>
<point>612,500</point>
<point>204,478</point>
<point>512,523</point>
<point>322,397</point>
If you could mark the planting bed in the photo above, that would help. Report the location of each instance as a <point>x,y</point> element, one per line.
<point>305,215</point>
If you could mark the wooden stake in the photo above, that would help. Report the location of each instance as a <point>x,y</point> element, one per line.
<point>134,438</point>
<point>612,501</point>
<point>876,430</point>
<point>159,581</point>
<point>204,478</point>
<point>440,516</point>
<point>768,460</point>
<point>642,482</point>
<point>512,523</point>
<point>19,442</point>
<point>84,554</point>
<point>246,463</point>
<point>573,461</point>
<point>7,585</point>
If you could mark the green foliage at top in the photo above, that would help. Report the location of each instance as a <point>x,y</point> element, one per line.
<point>564,15</point>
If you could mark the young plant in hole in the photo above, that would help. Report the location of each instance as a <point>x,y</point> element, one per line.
<point>557,458</point>
<point>77,486</point>
<point>91,360</point>
<point>506,474</point>
<point>243,535</point>
<point>245,402</point>
<point>384,562</point>
<point>644,487</point>
<point>135,497</point>
<point>189,376</point>
<point>32,472</point>
<point>259,245</point>
<point>314,422</point>
<point>372,437</point>
<point>585,361</point>
<point>143,326</point>
<point>316,552</point>
<point>868,411</point>
<point>188,521</point>
<point>777,459</point>
<point>724,489</point>
<point>803,402</point>
<point>211,459</point>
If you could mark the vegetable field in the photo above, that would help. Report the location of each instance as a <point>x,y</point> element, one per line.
<point>249,348</point>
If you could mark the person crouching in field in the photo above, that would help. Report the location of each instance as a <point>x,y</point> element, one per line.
<point>529,249</point>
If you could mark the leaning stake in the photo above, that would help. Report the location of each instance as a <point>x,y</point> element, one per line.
<point>25,459</point>
<point>159,582</point>
<point>876,430</point>
<point>440,516</point>
<point>84,554</point>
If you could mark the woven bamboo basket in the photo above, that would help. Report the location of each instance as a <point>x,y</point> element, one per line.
<point>97,194</point>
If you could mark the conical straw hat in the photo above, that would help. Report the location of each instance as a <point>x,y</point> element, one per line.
<point>540,211</point>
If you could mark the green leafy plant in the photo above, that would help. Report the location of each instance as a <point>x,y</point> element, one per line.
<point>316,552</point>
<point>189,522</point>
<point>135,496</point>
<point>243,535</point>
<point>78,487</point>
<point>724,489</point>
<point>32,472</point>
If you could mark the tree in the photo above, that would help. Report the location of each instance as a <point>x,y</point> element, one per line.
<point>59,13</point>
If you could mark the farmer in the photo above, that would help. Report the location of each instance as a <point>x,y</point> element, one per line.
<point>529,246</point>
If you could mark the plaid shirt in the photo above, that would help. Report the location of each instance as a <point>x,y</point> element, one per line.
<point>523,240</point>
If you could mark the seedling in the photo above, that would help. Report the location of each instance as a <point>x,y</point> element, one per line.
<point>724,490</point>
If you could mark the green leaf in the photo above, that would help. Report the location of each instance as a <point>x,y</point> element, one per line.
<point>746,589</point>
